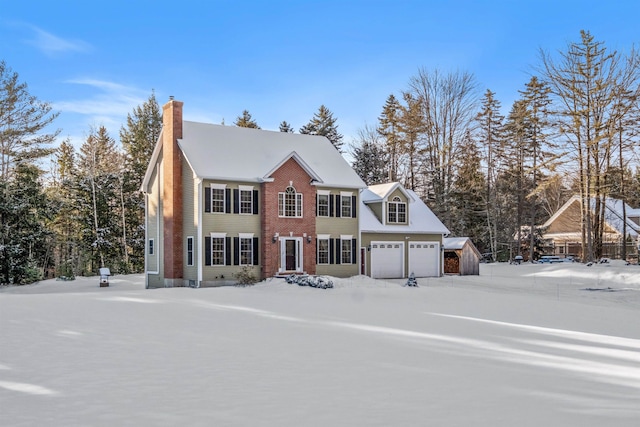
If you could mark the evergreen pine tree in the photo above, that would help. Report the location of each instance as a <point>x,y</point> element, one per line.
<point>491,137</point>
<point>286,127</point>
<point>246,121</point>
<point>324,124</point>
<point>369,157</point>
<point>138,139</point>
<point>389,129</point>
<point>23,142</point>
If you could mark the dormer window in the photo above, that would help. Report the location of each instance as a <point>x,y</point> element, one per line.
<point>290,203</point>
<point>397,211</point>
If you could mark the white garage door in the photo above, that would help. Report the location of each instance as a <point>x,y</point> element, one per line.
<point>424,259</point>
<point>387,260</point>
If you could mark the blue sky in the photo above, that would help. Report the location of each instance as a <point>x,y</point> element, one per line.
<point>96,61</point>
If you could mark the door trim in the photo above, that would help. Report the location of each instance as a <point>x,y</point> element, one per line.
<point>283,255</point>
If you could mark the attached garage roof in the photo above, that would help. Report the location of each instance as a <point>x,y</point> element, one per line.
<point>421,219</point>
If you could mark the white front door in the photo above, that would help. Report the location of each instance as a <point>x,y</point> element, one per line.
<point>291,254</point>
<point>424,259</point>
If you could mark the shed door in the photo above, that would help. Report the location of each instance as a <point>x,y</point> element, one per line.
<point>387,260</point>
<point>424,259</point>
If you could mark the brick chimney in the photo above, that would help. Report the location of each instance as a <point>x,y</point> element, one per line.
<point>172,192</point>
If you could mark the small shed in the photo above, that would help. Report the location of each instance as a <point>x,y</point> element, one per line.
<point>461,256</point>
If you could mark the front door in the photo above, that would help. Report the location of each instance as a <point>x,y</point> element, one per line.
<point>291,254</point>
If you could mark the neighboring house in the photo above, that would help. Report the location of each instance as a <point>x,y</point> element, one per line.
<point>222,198</point>
<point>564,236</point>
<point>461,256</point>
<point>400,234</point>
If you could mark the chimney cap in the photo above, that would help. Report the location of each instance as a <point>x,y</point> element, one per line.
<point>170,97</point>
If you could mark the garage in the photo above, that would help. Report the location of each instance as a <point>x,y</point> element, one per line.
<point>387,260</point>
<point>424,259</point>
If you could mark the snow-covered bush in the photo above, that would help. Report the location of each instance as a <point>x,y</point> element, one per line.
<point>313,281</point>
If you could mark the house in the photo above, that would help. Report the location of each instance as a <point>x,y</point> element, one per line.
<point>564,236</point>
<point>222,200</point>
<point>461,256</point>
<point>400,234</point>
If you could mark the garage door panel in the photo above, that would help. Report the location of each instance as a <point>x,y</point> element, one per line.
<point>387,260</point>
<point>424,259</point>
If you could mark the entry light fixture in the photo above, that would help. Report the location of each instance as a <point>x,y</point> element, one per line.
<point>275,237</point>
<point>308,239</point>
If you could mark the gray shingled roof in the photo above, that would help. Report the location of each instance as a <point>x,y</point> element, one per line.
<point>250,155</point>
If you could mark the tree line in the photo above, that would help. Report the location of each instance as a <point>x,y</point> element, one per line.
<point>489,176</point>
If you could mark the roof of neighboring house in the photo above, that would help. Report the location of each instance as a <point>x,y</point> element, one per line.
<point>421,219</point>
<point>234,153</point>
<point>613,215</point>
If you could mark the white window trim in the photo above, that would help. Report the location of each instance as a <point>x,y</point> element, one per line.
<point>323,193</point>
<point>245,188</point>
<point>223,187</point>
<point>346,195</point>
<point>397,204</point>
<point>222,236</point>
<point>318,239</point>
<point>297,207</point>
<point>346,237</point>
<point>246,236</point>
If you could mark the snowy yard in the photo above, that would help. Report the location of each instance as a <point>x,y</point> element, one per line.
<point>528,345</point>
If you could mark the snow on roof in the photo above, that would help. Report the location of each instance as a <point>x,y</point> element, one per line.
<point>379,192</point>
<point>242,154</point>
<point>454,242</point>
<point>421,219</point>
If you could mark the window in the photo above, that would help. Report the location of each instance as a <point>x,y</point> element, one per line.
<point>345,251</point>
<point>151,247</point>
<point>397,211</point>
<point>217,250</point>
<point>246,201</point>
<point>290,203</point>
<point>217,200</point>
<point>323,251</point>
<point>323,205</point>
<point>189,250</point>
<point>345,206</point>
<point>246,251</point>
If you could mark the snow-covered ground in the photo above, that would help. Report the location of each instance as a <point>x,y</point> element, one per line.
<point>528,345</point>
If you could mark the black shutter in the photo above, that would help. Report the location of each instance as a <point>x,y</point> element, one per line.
<point>255,202</point>
<point>353,206</point>
<point>227,250</point>
<point>256,252</point>
<point>227,200</point>
<point>354,258</point>
<point>236,200</point>
<point>331,205</point>
<point>338,207</point>
<point>338,251</point>
<point>207,250</point>
<point>236,251</point>
<point>331,252</point>
<point>316,204</point>
<point>207,199</point>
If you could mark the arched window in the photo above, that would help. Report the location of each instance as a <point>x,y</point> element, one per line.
<point>397,211</point>
<point>290,203</point>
